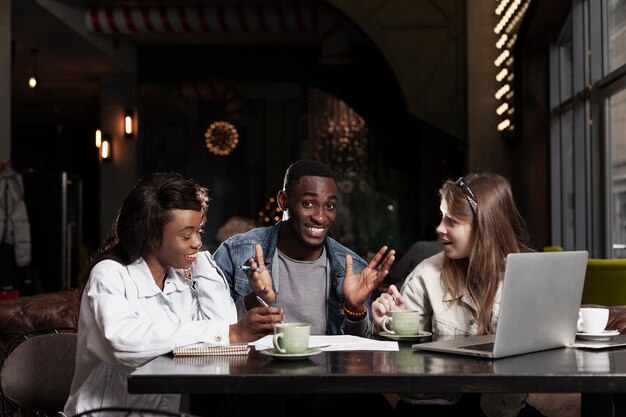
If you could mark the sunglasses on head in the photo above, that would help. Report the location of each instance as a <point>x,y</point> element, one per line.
<point>471,199</point>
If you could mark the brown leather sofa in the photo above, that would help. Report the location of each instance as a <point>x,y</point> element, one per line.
<point>60,310</point>
<point>38,312</point>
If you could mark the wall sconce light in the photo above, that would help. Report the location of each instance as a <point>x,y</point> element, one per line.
<point>98,138</point>
<point>33,81</point>
<point>129,122</point>
<point>105,149</point>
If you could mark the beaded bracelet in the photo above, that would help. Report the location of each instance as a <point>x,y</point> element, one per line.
<point>354,315</point>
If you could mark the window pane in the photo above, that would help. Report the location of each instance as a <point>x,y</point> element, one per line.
<point>616,16</point>
<point>567,179</point>
<point>617,141</point>
<point>565,65</point>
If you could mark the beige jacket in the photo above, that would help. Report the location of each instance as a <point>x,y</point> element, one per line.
<point>424,291</point>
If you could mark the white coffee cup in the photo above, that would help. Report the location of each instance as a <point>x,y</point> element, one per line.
<point>592,320</point>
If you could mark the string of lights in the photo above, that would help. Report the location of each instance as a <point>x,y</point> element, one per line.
<point>271,213</point>
<point>510,13</point>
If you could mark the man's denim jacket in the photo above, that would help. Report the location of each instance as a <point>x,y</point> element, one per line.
<point>235,251</point>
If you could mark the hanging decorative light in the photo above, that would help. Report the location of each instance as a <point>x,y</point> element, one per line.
<point>221,138</point>
<point>339,132</point>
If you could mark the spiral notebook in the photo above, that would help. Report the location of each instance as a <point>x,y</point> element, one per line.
<point>202,349</point>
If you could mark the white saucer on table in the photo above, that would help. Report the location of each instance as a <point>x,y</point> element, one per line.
<point>291,356</point>
<point>405,337</point>
<point>604,335</point>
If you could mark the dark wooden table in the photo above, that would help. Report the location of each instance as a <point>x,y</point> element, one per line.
<point>598,375</point>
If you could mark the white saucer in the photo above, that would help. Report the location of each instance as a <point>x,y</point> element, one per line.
<point>405,337</point>
<point>604,335</point>
<point>291,356</point>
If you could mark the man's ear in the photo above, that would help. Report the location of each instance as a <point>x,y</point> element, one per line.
<point>281,199</point>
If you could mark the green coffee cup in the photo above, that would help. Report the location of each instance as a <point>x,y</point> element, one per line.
<point>291,337</point>
<point>403,322</point>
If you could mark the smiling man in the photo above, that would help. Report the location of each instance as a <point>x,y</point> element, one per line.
<point>298,267</point>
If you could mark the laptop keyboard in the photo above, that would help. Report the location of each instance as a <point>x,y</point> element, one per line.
<point>483,347</point>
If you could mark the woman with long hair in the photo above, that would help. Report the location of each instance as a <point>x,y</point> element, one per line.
<point>150,289</point>
<point>457,291</point>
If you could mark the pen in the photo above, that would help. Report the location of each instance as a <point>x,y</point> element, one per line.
<point>262,301</point>
<point>259,269</point>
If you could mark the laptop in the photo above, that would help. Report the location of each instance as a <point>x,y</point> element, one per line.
<point>541,296</point>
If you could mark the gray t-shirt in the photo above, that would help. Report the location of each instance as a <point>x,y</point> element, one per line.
<point>302,291</point>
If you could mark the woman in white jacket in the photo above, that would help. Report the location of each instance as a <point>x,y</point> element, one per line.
<point>458,290</point>
<point>150,290</point>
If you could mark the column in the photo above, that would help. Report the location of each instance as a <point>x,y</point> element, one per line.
<point>485,147</point>
<point>118,176</point>
<point>5,80</point>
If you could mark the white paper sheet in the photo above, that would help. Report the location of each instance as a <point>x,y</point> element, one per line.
<point>335,343</point>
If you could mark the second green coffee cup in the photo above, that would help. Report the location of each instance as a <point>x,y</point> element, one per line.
<point>403,322</point>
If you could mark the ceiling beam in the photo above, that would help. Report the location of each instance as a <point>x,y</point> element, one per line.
<point>123,55</point>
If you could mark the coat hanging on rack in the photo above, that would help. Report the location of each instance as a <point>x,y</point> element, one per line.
<point>14,225</point>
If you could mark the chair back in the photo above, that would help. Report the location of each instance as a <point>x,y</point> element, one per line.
<point>37,374</point>
<point>418,251</point>
<point>553,249</point>
<point>605,282</point>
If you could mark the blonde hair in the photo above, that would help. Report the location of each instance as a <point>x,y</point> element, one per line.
<point>498,230</point>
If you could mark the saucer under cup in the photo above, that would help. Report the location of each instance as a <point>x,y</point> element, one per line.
<point>405,337</point>
<point>603,335</point>
<point>271,352</point>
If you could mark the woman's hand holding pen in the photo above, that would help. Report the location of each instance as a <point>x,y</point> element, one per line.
<point>259,277</point>
<point>255,324</point>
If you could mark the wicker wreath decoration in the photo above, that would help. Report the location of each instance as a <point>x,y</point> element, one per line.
<point>221,138</point>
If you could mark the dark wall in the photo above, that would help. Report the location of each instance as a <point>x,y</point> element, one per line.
<point>44,151</point>
<point>408,159</point>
